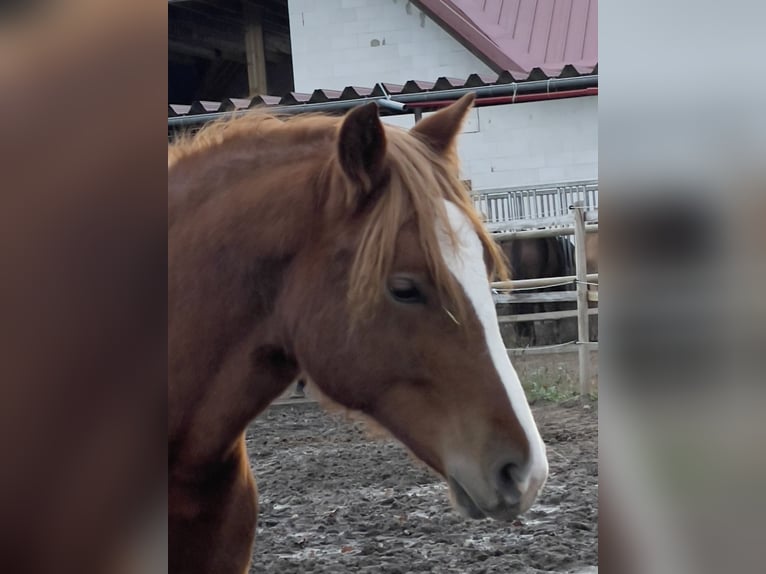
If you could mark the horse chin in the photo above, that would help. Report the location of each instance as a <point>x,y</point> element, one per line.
<point>467,506</point>
<point>462,502</point>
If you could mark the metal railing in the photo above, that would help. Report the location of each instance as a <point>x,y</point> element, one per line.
<point>506,209</point>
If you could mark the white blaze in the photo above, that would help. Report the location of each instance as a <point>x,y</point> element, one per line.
<point>468,267</point>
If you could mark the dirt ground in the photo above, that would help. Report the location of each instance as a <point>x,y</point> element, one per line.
<point>333,500</point>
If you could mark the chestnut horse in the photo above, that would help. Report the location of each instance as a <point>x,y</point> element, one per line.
<point>351,252</point>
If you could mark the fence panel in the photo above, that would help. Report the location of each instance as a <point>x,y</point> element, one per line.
<point>507,208</point>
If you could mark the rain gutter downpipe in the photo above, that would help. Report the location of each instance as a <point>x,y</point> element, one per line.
<point>517,92</point>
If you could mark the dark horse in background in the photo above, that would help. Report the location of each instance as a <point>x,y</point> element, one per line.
<point>539,258</point>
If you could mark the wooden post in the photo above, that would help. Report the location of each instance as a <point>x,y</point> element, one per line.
<point>256,55</point>
<point>583,333</point>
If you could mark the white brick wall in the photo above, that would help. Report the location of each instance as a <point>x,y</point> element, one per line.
<point>339,43</point>
<point>534,143</point>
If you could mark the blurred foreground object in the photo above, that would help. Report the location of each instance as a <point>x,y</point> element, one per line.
<point>83,291</point>
<point>683,327</point>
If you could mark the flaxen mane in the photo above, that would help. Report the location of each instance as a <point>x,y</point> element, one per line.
<point>418,180</point>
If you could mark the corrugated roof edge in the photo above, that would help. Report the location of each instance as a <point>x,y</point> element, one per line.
<point>356,92</point>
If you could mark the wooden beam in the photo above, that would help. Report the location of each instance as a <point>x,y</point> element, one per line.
<point>256,56</point>
<point>542,282</point>
<point>558,297</point>
<point>176,48</point>
<point>540,233</point>
<point>210,48</point>
<point>522,224</point>
<point>552,350</point>
<point>545,316</point>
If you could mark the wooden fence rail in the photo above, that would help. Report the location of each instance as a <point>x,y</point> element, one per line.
<point>534,225</point>
<point>540,233</point>
<point>542,282</point>
<point>544,316</point>
<point>557,297</point>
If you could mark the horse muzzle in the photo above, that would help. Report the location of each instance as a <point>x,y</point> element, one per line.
<point>501,494</point>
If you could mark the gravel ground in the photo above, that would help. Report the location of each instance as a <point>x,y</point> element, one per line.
<point>334,500</point>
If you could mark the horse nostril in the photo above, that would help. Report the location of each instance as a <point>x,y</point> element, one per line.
<point>507,479</point>
<point>506,473</point>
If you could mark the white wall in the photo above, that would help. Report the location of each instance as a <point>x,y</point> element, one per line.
<point>529,144</point>
<point>534,143</point>
<point>339,43</point>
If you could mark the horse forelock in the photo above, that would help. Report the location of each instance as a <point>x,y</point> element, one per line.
<point>418,184</point>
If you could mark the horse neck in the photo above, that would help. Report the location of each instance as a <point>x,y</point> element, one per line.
<point>248,195</point>
<point>235,224</point>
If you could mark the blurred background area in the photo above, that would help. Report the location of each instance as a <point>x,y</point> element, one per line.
<point>221,49</point>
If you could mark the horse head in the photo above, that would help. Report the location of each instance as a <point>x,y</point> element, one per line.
<point>399,321</point>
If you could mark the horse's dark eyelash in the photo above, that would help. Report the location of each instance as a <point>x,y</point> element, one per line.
<point>418,296</point>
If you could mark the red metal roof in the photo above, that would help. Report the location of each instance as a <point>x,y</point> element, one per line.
<point>519,35</point>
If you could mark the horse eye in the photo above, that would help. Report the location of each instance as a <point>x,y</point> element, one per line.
<point>405,290</point>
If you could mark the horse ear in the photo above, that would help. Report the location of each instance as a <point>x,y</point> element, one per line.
<point>362,146</point>
<point>440,130</point>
